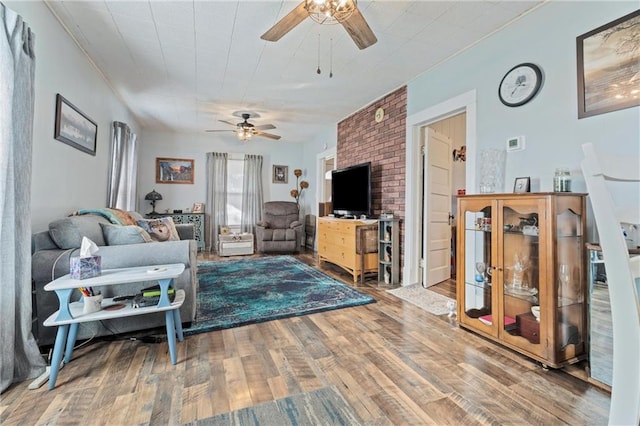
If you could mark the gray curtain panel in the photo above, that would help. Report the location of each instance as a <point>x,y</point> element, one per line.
<point>19,355</point>
<point>216,204</point>
<point>123,171</point>
<point>252,195</point>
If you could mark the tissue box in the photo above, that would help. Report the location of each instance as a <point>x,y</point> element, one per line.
<point>85,267</point>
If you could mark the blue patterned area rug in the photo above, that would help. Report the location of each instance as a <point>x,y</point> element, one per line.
<point>246,291</point>
<point>324,406</point>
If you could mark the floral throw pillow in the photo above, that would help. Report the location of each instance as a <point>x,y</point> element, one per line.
<point>160,229</point>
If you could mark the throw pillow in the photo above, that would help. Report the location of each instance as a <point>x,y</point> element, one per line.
<point>67,233</point>
<point>117,235</point>
<point>161,229</point>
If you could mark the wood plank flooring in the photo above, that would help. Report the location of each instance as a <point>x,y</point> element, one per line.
<point>393,362</point>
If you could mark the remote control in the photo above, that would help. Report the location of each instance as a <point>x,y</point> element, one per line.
<point>120,298</point>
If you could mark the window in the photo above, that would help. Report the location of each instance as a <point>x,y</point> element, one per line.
<point>235,176</point>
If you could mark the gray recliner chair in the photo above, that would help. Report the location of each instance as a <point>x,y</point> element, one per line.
<point>280,229</point>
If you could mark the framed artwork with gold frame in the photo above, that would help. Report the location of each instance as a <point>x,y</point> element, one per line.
<point>174,170</point>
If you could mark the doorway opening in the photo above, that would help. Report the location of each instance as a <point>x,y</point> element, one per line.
<point>417,205</point>
<point>443,148</point>
<point>443,145</point>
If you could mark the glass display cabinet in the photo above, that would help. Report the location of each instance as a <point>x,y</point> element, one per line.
<point>521,272</point>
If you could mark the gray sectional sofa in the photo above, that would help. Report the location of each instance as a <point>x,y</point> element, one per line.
<point>52,249</point>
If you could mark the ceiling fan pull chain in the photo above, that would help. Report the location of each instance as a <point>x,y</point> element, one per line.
<point>318,71</point>
<point>331,59</point>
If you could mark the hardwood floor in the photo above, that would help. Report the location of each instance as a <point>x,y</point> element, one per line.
<point>393,362</point>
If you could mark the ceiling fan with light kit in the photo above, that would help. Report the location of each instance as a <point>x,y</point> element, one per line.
<point>245,130</point>
<point>344,12</point>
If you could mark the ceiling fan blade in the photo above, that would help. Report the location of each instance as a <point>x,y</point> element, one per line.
<point>286,24</point>
<point>265,127</point>
<point>359,30</point>
<point>228,122</point>
<point>219,130</point>
<point>268,135</point>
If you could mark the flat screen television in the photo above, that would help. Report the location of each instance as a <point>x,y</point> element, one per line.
<point>351,190</point>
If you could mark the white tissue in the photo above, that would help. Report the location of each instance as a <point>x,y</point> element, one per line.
<point>87,248</point>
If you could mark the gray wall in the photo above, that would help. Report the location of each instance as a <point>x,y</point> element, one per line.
<point>554,135</point>
<point>64,178</point>
<point>195,146</point>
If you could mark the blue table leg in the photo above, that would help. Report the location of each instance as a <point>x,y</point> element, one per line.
<point>164,292</point>
<point>58,349</point>
<point>178,321</point>
<point>171,336</point>
<point>71,342</point>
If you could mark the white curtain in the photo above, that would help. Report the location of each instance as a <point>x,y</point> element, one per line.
<point>252,197</point>
<point>216,208</point>
<point>19,355</point>
<point>121,193</point>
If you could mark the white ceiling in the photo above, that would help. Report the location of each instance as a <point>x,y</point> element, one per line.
<point>183,65</point>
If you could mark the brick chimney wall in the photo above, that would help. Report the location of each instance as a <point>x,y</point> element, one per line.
<point>361,139</point>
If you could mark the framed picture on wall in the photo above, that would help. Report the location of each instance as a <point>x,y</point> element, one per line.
<point>74,128</point>
<point>174,170</point>
<point>608,60</point>
<point>280,174</point>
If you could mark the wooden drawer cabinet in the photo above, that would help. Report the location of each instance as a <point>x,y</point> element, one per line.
<point>337,245</point>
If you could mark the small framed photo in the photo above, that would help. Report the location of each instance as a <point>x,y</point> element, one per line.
<point>280,174</point>
<point>74,128</point>
<point>174,170</point>
<point>198,208</point>
<point>224,230</point>
<point>522,184</point>
<point>515,143</point>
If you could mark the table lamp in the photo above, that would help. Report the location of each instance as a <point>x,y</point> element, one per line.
<point>153,196</point>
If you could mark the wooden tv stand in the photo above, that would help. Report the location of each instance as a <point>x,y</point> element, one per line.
<point>337,244</point>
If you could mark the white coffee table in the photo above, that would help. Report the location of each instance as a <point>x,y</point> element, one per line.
<point>71,314</point>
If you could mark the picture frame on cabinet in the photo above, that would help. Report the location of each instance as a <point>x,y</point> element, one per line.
<point>522,185</point>
<point>198,208</point>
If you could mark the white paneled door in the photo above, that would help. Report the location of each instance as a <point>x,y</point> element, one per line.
<point>437,196</point>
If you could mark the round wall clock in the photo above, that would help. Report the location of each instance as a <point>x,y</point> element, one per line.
<point>379,115</point>
<point>520,84</point>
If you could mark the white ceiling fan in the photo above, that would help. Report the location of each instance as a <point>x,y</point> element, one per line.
<point>245,130</point>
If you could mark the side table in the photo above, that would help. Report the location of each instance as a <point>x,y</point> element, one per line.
<point>71,314</point>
